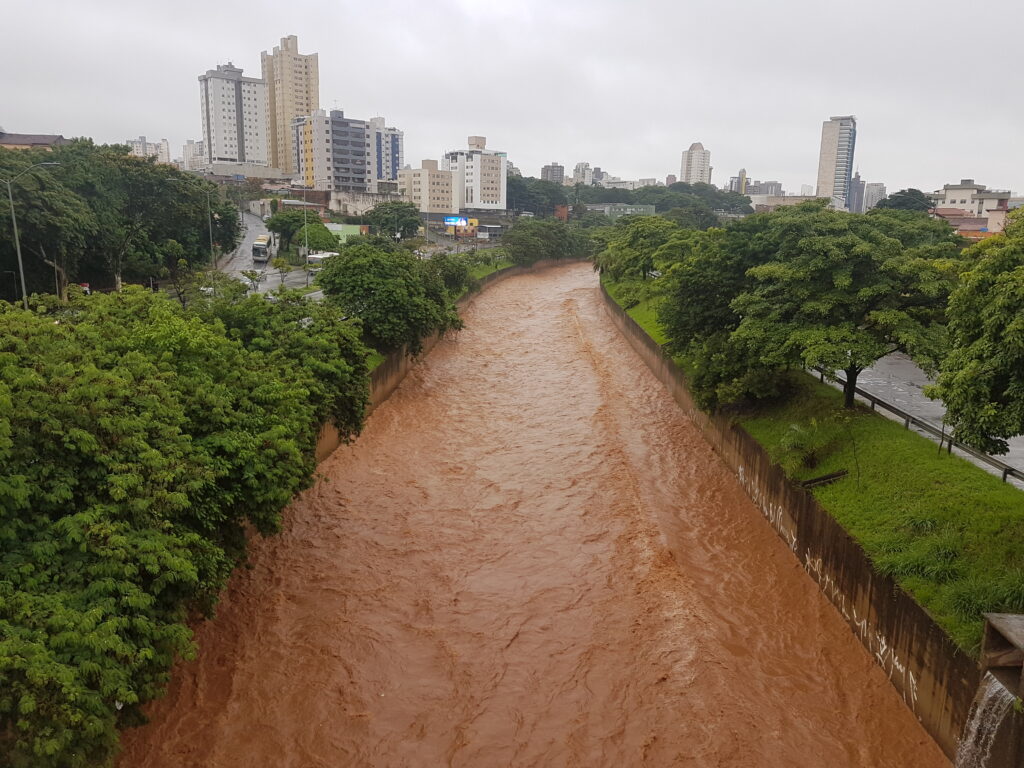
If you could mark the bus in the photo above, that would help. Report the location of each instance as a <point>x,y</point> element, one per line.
<point>261,249</point>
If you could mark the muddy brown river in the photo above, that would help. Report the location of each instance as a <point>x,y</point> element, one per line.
<point>529,558</point>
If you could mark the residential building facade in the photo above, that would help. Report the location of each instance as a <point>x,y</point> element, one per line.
<point>331,151</point>
<point>583,174</point>
<point>855,203</point>
<point>670,180</point>
<point>973,199</point>
<point>696,165</point>
<point>193,155</point>
<point>479,176</point>
<point>234,116</point>
<point>293,91</point>
<point>387,154</point>
<point>161,150</point>
<point>874,193</point>
<point>553,172</point>
<point>428,187</point>
<point>835,157</point>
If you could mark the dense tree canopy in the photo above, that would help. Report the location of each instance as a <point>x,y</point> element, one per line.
<point>982,378</point>
<point>907,200</point>
<point>526,193</point>
<point>397,220</point>
<point>103,216</point>
<point>286,224</point>
<point>805,286</point>
<point>316,237</point>
<point>631,245</point>
<point>399,298</point>
<point>531,240</point>
<point>146,438</point>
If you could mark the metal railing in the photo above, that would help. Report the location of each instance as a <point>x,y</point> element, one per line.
<point>945,438</point>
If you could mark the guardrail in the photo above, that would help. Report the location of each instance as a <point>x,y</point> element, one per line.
<point>909,419</point>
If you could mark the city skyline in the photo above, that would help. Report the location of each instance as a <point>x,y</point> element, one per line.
<point>629,58</point>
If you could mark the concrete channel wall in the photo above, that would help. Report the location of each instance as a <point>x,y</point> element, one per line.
<point>934,677</point>
<point>385,378</point>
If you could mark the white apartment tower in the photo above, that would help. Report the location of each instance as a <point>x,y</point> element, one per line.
<point>161,150</point>
<point>428,188</point>
<point>293,90</point>
<point>696,165</point>
<point>874,193</point>
<point>478,176</point>
<point>193,155</point>
<point>234,112</point>
<point>835,160</point>
<point>583,174</point>
<point>387,153</point>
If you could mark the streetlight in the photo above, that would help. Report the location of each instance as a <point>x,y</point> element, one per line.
<point>14,221</point>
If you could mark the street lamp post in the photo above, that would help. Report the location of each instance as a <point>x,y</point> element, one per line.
<point>14,222</point>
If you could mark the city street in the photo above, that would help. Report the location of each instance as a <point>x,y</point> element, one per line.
<point>897,380</point>
<point>240,259</point>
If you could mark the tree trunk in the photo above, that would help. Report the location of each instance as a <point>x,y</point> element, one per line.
<point>850,387</point>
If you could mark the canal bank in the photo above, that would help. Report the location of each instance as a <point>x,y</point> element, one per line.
<point>530,557</point>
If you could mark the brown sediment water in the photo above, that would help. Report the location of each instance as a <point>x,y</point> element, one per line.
<point>529,558</point>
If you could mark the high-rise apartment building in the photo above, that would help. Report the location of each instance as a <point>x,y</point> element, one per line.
<point>234,111</point>
<point>331,151</point>
<point>670,180</point>
<point>874,193</point>
<point>835,160</point>
<point>193,155</point>
<point>387,153</point>
<point>584,174</point>
<point>738,183</point>
<point>696,165</point>
<point>293,90</point>
<point>479,176</point>
<point>806,190</point>
<point>855,201</point>
<point>428,188</point>
<point>553,173</point>
<point>161,150</point>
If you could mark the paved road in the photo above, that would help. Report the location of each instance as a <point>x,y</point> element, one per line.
<point>897,380</point>
<point>241,259</point>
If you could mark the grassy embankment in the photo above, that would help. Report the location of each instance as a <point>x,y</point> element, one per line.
<point>949,533</point>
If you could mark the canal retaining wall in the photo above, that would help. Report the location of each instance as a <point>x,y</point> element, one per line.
<point>936,680</point>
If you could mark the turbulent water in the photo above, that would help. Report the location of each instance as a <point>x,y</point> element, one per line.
<point>529,558</point>
<point>992,705</point>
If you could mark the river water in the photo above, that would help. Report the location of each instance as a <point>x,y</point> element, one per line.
<point>529,558</point>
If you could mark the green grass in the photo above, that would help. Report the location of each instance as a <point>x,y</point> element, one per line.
<point>482,270</point>
<point>374,359</point>
<point>951,534</point>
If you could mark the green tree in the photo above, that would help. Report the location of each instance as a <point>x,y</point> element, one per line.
<point>907,200</point>
<point>395,217</point>
<point>530,240</point>
<point>286,224</point>
<point>839,294</point>
<point>317,236</point>
<point>982,378</point>
<point>632,245</point>
<point>399,302</point>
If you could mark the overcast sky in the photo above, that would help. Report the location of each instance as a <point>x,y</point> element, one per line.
<point>626,85</point>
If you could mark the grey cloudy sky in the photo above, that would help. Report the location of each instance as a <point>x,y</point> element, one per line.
<point>935,84</point>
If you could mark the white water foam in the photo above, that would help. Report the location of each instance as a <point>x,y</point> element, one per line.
<point>988,712</point>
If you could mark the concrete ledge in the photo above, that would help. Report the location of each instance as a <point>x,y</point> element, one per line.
<point>936,680</point>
